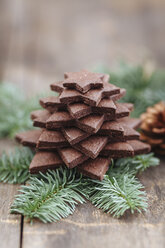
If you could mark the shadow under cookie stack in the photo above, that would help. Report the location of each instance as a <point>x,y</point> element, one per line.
<point>83,127</point>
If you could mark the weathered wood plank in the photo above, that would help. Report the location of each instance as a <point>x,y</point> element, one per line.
<point>10,225</point>
<point>89,227</point>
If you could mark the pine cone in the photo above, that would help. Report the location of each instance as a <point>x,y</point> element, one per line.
<point>153,127</point>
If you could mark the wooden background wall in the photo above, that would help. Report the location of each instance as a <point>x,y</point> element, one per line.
<point>39,40</point>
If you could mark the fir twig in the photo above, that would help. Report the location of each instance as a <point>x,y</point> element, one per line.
<point>51,197</point>
<point>137,164</point>
<point>14,167</point>
<point>120,190</point>
<point>15,110</point>
<point>143,89</point>
<point>115,195</point>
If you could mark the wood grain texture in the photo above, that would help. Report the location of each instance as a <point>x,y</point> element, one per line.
<point>10,225</point>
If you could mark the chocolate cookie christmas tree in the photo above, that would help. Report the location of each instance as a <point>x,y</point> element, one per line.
<point>83,126</point>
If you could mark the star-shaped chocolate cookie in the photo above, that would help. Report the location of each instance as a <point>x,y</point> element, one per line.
<point>84,80</point>
<point>92,97</point>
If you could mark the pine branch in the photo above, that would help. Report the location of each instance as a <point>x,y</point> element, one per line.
<point>120,190</point>
<point>115,195</point>
<point>143,89</point>
<point>15,110</point>
<point>14,167</point>
<point>136,164</point>
<point>51,197</point>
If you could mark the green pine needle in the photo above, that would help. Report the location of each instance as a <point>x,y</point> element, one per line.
<point>143,89</point>
<point>116,195</point>
<point>14,167</point>
<point>51,197</point>
<point>120,190</point>
<point>137,164</point>
<point>15,110</point>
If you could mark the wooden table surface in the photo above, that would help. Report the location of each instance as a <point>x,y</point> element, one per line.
<point>39,41</point>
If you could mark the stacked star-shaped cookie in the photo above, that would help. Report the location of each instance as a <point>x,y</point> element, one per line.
<point>83,126</point>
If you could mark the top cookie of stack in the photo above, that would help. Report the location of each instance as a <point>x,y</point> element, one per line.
<point>83,126</point>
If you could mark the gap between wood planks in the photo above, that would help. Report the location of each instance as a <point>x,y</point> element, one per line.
<point>21,231</point>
